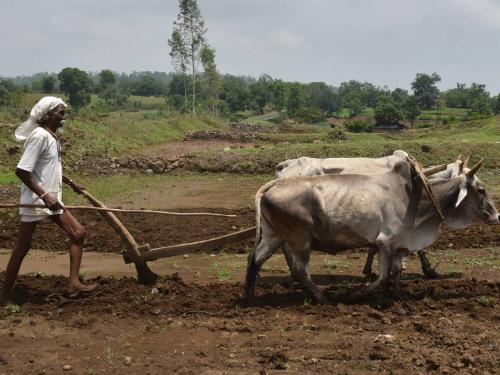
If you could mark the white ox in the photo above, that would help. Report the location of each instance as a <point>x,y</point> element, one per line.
<point>306,166</point>
<point>386,211</point>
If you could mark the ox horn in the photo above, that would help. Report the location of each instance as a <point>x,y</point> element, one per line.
<point>433,170</point>
<point>466,161</point>
<point>471,172</point>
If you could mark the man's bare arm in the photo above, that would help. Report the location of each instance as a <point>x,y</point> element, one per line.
<point>26,177</point>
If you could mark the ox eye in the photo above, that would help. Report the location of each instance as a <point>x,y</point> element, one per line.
<point>481,191</point>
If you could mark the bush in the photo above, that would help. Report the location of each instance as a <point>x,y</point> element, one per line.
<point>358,126</point>
<point>309,115</point>
<point>337,134</point>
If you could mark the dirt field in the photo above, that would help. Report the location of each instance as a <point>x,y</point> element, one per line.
<point>193,321</point>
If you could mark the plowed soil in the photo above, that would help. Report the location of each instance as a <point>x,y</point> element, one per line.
<point>193,320</point>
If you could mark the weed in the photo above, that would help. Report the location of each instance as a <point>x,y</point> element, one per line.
<point>222,273</point>
<point>487,301</point>
<point>111,354</point>
<point>13,310</point>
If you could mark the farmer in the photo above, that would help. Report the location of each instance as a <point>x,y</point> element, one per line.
<point>40,170</point>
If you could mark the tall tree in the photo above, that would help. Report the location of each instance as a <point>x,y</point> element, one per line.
<point>261,92</point>
<point>296,98</point>
<point>212,76</point>
<point>425,89</point>
<point>192,31</point>
<point>179,55</point>
<point>77,85</point>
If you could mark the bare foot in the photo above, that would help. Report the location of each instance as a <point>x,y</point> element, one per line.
<point>74,290</point>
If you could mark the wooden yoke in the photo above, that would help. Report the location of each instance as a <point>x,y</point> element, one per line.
<point>144,274</point>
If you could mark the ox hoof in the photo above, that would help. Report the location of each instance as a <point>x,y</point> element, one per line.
<point>430,273</point>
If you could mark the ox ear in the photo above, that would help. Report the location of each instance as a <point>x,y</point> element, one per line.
<point>461,195</point>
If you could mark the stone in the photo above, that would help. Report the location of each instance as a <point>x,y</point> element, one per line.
<point>67,368</point>
<point>127,361</point>
<point>149,171</point>
<point>158,167</point>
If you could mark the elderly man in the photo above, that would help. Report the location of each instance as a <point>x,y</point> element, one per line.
<point>40,170</point>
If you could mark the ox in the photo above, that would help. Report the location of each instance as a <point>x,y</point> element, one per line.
<point>306,166</point>
<point>386,211</point>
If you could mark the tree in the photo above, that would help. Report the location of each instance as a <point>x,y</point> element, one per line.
<point>192,31</point>
<point>411,109</point>
<point>179,55</point>
<point>212,76</point>
<point>387,111</point>
<point>235,93</point>
<point>6,87</point>
<point>354,106</point>
<point>323,97</point>
<point>278,90</point>
<point>399,96</point>
<point>261,92</point>
<point>497,105</point>
<point>296,98</point>
<point>48,84</point>
<point>425,89</point>
<point>77,85</point>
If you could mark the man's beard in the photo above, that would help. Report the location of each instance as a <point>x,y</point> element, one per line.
<point>60,129</point>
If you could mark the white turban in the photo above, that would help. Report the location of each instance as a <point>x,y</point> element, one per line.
<point>44,105</point>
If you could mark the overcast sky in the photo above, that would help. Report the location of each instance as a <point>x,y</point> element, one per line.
<point>385,42</point>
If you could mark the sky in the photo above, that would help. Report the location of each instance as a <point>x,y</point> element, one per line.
<point>385,42</point>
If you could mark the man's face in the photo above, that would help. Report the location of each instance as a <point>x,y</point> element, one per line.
<point>56,116</point>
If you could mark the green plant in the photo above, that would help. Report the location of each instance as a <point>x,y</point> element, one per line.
<point>359,126</point>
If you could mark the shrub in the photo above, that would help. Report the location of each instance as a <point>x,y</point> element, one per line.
<point>358,126</point>
<point>337,134</point>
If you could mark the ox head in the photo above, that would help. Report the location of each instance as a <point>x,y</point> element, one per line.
<point>472,203</point>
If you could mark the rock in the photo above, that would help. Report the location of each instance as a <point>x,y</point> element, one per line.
<point>123,161</point>
<point>67,368</point>
<point>158,167</point>
<point>149,171</point>
<point>313,361</point>
<point>175,164</point>
<point>127,361</point>
<point>133,164</point>
<point>384,339</point>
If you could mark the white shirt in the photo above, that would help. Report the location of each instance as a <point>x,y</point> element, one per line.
<point>41,157</point>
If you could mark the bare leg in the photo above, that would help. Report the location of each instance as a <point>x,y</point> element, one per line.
<point>426,266</point>
<point>21,248</point>
<point>76,233</point>
<point>367,271</point>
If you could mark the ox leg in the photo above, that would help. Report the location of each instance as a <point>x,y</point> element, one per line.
<point>386,255</point>
<point>262,252</point>
<point>426,266</point>
<point>367,270</point>
<point>396,272</point>
<point>299,262</point>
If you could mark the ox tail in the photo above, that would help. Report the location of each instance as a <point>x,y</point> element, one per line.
<point>258,197</point>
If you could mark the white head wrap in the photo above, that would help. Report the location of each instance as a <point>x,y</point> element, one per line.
<point>44,105</point>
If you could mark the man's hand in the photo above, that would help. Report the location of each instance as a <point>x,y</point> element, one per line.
<point>52,203</point>
<point>77,188</point>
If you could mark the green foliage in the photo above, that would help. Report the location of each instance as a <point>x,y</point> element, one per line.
<point>337,134</point>
<point>235,93</point>
<point>48,84</point>
<point>358,126</point>
<point>309,115</point>
<point>212,76</point>
<point>387,110</point>
<point>425,89</point>
<point>296,98</point>
<point>411,109</point>
<point>188,39</point>
<point>323,97</point>
<point>354,106</point>
<point>77,85</point>
<point>261,92</point>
